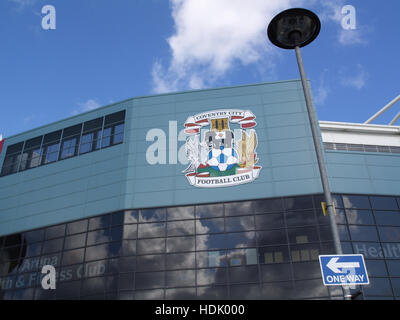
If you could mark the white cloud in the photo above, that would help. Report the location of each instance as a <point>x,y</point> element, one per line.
<point>86,106</point>
<point>321,92</point>
<point>357,79</point>
<point>211,36</point>
<point>21,4</point>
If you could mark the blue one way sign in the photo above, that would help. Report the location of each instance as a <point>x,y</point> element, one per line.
<point>345,269</point>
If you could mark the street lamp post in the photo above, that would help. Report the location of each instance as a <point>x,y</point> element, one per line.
<point>293,29</point>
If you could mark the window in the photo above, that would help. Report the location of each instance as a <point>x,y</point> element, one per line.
<point>66,143</point>
<point>31,156</point>
<point>12,159</point>
<point>70,141</point>
<point>51,146</point>
<point>113,132</point>
<point>91,136</point>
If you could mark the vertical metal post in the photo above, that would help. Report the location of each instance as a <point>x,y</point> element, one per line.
<point>321,164</point>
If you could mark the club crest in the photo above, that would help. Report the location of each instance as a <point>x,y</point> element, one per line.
<point>221,148</point>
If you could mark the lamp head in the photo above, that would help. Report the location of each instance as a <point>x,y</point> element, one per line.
<point>294,27</point>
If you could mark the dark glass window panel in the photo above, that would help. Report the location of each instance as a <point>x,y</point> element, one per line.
<point>356,202</point>
<point>151,246</point>
<point>378,287</point>
<point>33,249</point>
<point>149,230</point>
<point>212,276</point>
<point>180,294</point>
<point>98,236</point>
<point>303,235</point>
<point>370,250</point>
<point>240,239</point>
<point>106,139</point>
<point>99,222</point>
<point>128,247</point>
<point>213,241</point>
<point>363,233</point>
<point>72,131</point>
<point>396,286</point>
<point>393,267</point>
<point>213,225</point>
<point>97,252</point>
<point>391,218</point>
<point>126,281</point>
<point>130,231</point>
<point>45,294</point>
<point>116,233</point>
<point>69,147</point>
<point>55,231</point>
<point>252,292</point>
<point>180,213</point>
<point>111,283</point>
<point>273,254</point>
<point>304,252</point>
<point>114,117</point>
<point>77,227</point>
<point>179,244</point>
<point>74,257</point>
<point>326,233</point>
<point>276,272</point>
<point>383,203</point>
<point>298,203</point>
<point>370,148</point>
<point>117,218</point>
<point>212,293</point>
<point>270,221</point>
<point>92,286</point>
<point>151,262</point>
<point>244,223</point>
<point>268,205</point>
<point>27,265</point>
<point>376,268</point>
<point>180,278</point>
<point>359,216</point>
<point>149,280</point>
<point>53,259</point>
<point>50,153</point>
<point>33,143</point>
<point>15,148</point>
<point>131,216</point>
<point>243,274</point>
<point>118,133</point>
<point>340,217</point>
<point>211,259</point>
<point>310,289</point>
<point>180,260</point>
<point>68,290</point>
<point>53,245</point>
<point>90,142</point>
<point>177,228</point>
<point>210,210</point>
<point>126,295</point>
<point>355,147</point>
<point>75,241</point>
<point>239,208</point>
<point>10,164</point>
<point>24,294</point>
<point>12,240</point>
<point>157,294</point>
<point>389,234</point>
<point>93,124</point>
<point>383,149</point>
<point>127,264</point>
<point>239,257</point>
<point>300,218</point>
<point>52,137</point>
<point>271,237</point>
<point>149,215</point>
<point>278,291</point>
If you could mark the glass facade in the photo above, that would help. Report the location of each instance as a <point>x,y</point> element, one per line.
<point>259,249</point>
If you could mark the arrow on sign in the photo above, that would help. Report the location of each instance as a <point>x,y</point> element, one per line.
<point>334,265</point>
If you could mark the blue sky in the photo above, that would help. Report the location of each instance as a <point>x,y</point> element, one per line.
<point>105,51</point>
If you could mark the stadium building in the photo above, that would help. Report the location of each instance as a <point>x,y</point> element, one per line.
<point>208,194</point>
